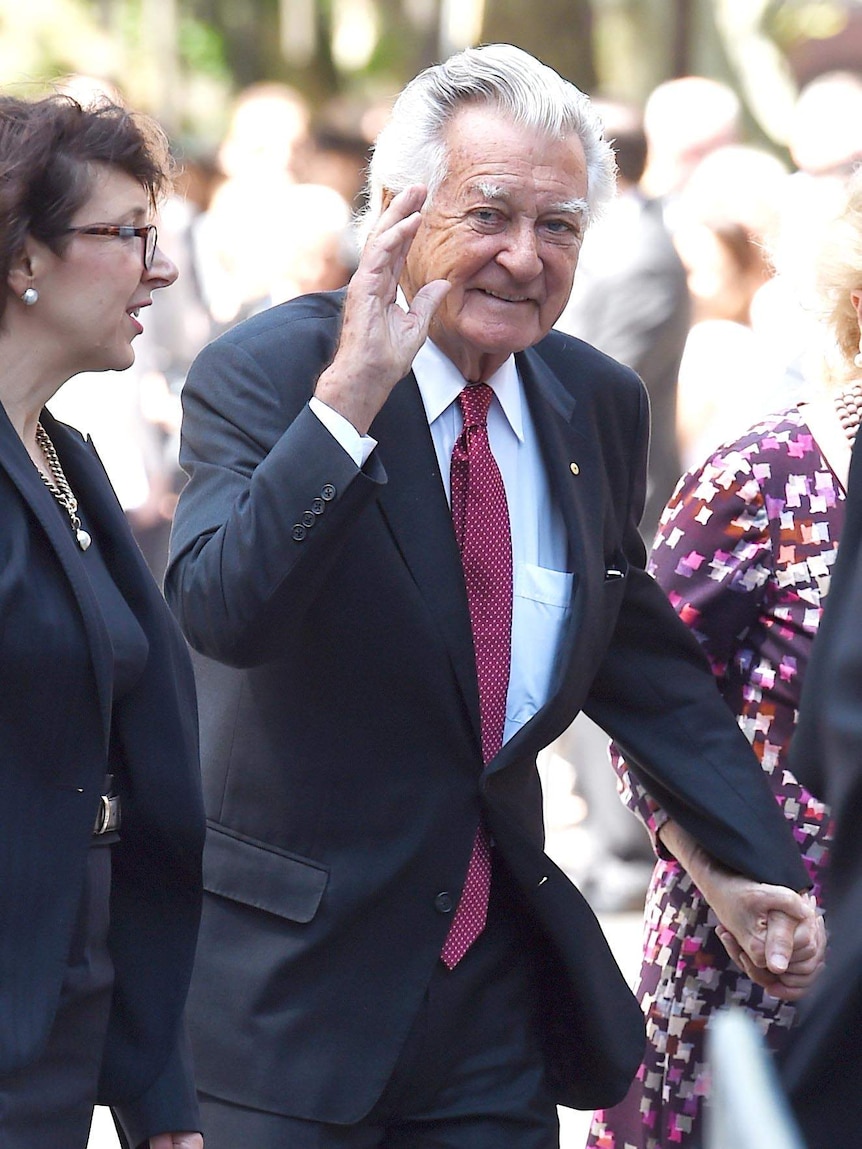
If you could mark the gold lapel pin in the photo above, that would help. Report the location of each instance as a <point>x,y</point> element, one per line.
<point>574,468</point>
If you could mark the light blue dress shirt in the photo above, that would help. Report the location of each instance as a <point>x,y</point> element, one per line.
<point>542,584</point>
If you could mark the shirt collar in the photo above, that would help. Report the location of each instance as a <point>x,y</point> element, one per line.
<point>440,383</point>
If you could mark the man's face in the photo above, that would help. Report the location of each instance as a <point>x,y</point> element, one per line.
<point>505,229</point>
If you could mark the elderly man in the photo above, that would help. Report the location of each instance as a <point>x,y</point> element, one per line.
<point>408,555</point>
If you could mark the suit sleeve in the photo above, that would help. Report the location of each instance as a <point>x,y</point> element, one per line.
<point>711,557</point>
<point>168,1106</point>
<point>265,478</point>
<point>655,695</point>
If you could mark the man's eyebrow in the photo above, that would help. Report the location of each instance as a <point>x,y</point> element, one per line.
<point>577,206</point>
<point>491,191</point>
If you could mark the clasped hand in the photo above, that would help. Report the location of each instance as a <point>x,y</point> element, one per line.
<point>776,936</point>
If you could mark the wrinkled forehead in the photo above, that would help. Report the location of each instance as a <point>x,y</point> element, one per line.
<point>492,156</point>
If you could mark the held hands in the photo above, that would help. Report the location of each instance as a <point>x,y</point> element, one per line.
<point>379,340</point>
<point>784,954</point>
<point>774,935</point>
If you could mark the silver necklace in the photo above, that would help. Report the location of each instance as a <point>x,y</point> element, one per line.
<point>58,485</point>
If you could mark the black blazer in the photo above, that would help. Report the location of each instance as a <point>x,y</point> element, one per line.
<point>821,1064</point>
<point>340,721</point>
<point>55,717</point>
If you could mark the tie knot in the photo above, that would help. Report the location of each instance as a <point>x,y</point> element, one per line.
<point>475,401</point>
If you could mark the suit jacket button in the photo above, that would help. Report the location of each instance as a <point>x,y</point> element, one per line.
<point>444,903</point>
<point>327,493</point>
<point>318,506</point>
<point>307,519</point>
<point>298,532</point>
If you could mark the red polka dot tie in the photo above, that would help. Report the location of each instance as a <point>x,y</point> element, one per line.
<point>481,519</point>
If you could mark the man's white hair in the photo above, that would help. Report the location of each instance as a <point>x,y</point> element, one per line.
<point>411,147</point>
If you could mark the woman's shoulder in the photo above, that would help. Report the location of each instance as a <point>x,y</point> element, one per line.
<point>781,436</point>
<point>756,466</point>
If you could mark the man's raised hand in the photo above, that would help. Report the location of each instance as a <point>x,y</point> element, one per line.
<point>379,339</point>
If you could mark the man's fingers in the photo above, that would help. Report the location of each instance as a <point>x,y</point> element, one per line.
<point>404,203</point>
<point>401,211</point>
<point>426,301</point>
<point>780,940</point>
<point>730,943</point>
<point>738,955</point>
<point>789,928</point>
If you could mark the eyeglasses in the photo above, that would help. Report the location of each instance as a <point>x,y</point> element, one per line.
<point>148,233</point>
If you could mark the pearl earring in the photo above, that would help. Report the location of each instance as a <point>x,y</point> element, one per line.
<point>30,296</point>
<point>858,360</point>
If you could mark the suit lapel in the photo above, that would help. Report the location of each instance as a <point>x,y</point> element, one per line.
<point>568,454</point>
<point>414,505</point>
<point>18,465</point>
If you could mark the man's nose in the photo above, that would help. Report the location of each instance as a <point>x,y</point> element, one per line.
<point>520,256</point>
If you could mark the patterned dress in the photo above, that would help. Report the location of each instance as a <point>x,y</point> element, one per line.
<point>744,552</point>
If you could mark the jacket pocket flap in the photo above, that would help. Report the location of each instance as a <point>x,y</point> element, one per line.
<point>262,876</point>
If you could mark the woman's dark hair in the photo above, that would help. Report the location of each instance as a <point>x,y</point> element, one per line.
<point>47,151</point>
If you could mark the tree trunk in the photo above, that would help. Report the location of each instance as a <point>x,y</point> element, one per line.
<point>559,32</point>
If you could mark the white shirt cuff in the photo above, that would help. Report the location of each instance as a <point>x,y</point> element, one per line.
<point>358,447</point>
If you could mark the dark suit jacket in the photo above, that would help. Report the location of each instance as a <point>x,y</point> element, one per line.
<point>822,1063</point>
<point>55,719</point>
<point>340,722</point>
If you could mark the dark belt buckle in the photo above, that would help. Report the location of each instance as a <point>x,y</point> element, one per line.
<point>108,814</point>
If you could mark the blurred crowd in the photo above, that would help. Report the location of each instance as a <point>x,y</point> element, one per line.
<point>696,277</point>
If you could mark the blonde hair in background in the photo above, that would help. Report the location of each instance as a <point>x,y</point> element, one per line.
<point>838,274</point>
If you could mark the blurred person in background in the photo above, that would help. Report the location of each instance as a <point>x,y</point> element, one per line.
<point>825,139</point>
<point>630,299</point>
<point>685,119</point>
<point>260,158</point>
<point>101,814</point>
<point>745,553</point>
<point>338,157</point>
<point>825,143</point>
<point>731,371</point>
<point>316,253</point>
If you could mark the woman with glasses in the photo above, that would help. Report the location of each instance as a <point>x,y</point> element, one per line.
<point>100,812</point>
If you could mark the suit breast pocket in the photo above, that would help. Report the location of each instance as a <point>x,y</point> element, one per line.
<point>262,876</point>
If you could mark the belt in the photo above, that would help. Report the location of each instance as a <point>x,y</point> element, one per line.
<point>108,813</point>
